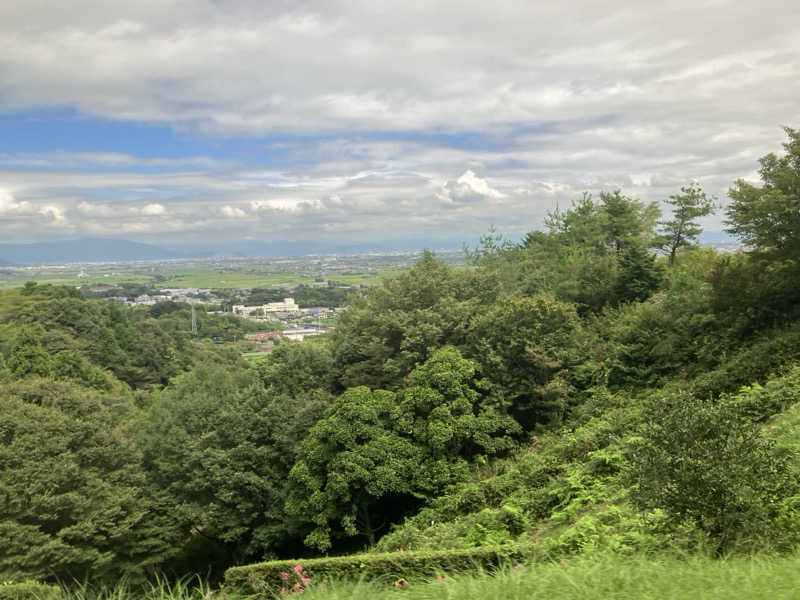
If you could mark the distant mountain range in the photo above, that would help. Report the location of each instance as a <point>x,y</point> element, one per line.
<point>103,250</point>
<point>81,251</point>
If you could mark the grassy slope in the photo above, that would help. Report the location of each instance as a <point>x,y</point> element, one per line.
<point>599,577</point>
<point>565,494</point>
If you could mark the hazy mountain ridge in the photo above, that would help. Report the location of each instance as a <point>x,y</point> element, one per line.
<point>81,250</point>
<point>87,250</point>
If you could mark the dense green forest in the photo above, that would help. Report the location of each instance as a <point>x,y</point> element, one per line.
<point>606,384</point>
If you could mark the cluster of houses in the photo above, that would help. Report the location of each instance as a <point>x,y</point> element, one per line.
<point>188,295</point>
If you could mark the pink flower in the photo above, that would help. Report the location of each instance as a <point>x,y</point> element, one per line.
<point>283,591</point>
<point>440,578</point>
<point>306,580</point>
<point>296,586</point>
<point>516,567</point>
<point>284,576</point>
<point>298,568</point>
<point>401,583</point>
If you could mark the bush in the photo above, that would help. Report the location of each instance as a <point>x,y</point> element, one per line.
<point>758,403</point>
<point>265,579</point>
<point>770,352</point>
<point>29,590</point>
<point>708,464</point>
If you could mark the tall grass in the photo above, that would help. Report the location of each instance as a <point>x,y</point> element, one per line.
<point>590,578</point>
<point>609,578</point>
<point>193,588</point>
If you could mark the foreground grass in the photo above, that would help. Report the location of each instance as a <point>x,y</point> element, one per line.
<point>613,578</point>
<point>593,578</point>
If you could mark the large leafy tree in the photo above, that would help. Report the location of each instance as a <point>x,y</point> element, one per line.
<point>27,357</point>
<point>385,333</point>
<point>446,411</point>
<point>578,257</point>
<point>351,461</point>
<point>293,367</point>
<point>615,222</point>
<point>767,217</point>
<point>682,230</point>
<point>762,289</point>
<point>522,344</point>
<point>73,496</point>
<point>581,225</point>
<point>373,458</point>
<point>627,222</point>
<point>220,446</point>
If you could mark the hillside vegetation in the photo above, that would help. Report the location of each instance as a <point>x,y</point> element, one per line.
<point>604,386</point>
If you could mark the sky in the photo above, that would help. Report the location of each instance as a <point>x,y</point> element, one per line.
<point>194,122</point>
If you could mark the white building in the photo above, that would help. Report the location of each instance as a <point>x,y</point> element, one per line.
<point>288,305</point>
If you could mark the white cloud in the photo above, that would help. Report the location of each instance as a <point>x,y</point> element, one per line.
<point>376,106</point>
<point>446,65</point>
<point>95,210</point>
<point>642,179</point>
<point>9,206</point>
<point>153,210</point>
<point>232,212</point>
<point>468,188</point>
<point>53,214</point>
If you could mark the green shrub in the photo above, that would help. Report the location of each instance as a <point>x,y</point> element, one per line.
<point>769,352</point>
<point>29,590</point>
<point>265,579</point>
<point>759,402</point>
<point>704,463</point>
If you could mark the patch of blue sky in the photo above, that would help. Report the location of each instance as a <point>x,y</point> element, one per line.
<point>63,131</point>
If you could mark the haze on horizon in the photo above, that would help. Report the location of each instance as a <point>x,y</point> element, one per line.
<point>186,122</point>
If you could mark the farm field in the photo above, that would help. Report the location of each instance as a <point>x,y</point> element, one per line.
<point>221,274</point>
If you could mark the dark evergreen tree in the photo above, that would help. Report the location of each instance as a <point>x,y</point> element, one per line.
<point>639,276</point>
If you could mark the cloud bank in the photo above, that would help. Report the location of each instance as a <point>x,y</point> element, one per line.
<point>376,120</point>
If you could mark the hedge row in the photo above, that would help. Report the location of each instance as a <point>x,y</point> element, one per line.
<point>29,591</point>
<point>266,579</point>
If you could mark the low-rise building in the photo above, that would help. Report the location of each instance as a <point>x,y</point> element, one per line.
<point>288,305</point>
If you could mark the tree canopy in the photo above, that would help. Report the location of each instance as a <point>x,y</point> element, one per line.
<point>767,217</point>
<point>73,499</point>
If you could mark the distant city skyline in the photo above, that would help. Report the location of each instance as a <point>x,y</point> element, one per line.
<point>232,122</point>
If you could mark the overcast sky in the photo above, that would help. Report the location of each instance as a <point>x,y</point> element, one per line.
<point>207,121</point>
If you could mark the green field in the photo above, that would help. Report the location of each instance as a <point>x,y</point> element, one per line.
<point>210,278</point>
<point>182,277</point>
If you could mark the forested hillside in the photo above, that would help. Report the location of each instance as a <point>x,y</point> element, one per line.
<point>605,384</point>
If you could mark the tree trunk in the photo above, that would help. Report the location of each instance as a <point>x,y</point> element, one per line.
<point>367,528</point>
